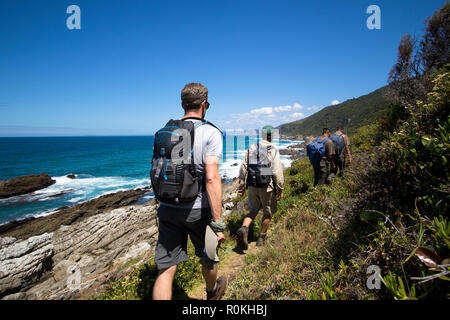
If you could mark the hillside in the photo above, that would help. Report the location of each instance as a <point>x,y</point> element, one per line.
<point>352,114</point>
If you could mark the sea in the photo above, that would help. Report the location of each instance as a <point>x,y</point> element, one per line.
<point>101,165</point>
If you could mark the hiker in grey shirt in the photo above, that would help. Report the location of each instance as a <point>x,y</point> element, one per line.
<point>177,222</point>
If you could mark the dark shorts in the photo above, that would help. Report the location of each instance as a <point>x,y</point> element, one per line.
<point>175,225</point>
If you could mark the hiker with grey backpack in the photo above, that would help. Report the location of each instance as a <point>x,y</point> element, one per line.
<point>262,173</point>
<point>186,181</point>
<point>320,153</point>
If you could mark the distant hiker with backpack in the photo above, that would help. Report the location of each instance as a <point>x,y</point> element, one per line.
<point>342,151</point>
<point>320,153</point>
<point>185,179</point>
<point>262,172</point>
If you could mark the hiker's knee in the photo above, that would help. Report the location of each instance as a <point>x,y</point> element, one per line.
<point>168,270</point>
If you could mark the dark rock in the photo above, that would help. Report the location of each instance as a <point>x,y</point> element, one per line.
<point>60,193</point>
<point>71,176</point>
<point>25,184</point>
<point>234,164</point>
<point>295,154</point>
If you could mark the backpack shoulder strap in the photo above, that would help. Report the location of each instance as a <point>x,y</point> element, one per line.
<point>203,121</point>
<point>211,124</point>
<point>257,152</point>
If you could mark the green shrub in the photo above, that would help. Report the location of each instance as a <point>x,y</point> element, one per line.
<point>397,288</point>
<point>365,138</point>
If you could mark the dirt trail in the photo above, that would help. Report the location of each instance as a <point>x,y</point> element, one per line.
<point>229,266</point>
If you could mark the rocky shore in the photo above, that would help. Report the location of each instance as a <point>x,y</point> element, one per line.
<point>78,259</point>
<point>23,229</point>
<point>76,252</point>
<point>295,152</point>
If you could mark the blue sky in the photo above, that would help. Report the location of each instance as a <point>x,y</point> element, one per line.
<point>122,73</point>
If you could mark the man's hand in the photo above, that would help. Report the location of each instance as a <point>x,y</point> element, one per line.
<point>241,189</point>
<point>280,195</point>
<point>349,159</point>
<point>220,237</point>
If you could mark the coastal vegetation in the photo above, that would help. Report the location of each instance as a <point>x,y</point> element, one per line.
<point>351,114</point>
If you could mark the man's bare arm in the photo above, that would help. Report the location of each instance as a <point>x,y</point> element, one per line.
<point>214,186</point>
<point>330,159</point>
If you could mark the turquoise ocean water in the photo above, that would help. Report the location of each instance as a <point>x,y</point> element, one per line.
<point>101,164</point>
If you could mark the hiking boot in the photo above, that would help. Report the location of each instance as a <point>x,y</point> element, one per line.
<point>261,240</point>
<point>242,237</point>
<point>220,289</point>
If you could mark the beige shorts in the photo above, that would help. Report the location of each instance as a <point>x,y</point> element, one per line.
<point>259,198</point>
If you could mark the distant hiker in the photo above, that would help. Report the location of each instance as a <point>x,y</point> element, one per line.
<point>320,153</point>
<point>262,172</point>
<point>341,150</point>
<point>185,179</point>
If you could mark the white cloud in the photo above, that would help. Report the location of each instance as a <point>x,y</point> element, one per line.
<point>334,102</point>
<point>313,108</point>
<point>297,115</point>
<point>264,110</point>
<point>296,106</point>
<point>274,116</point>
<point>282,109</point>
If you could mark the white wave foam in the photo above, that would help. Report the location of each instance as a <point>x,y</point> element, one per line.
<point>76,199</point>
<point>84,188</point>
<point>43,214</point>
<point>230,168</point>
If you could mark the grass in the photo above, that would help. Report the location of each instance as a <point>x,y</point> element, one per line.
<point>138,284</point>
<point>298,262</point>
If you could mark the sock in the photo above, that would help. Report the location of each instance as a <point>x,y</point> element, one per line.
<point>213,289</point>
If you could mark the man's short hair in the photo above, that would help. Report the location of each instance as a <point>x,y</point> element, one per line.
<point>325,130</point>
<point>192,96</point>
<point>340,128</point>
